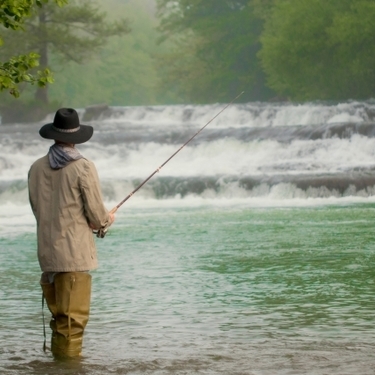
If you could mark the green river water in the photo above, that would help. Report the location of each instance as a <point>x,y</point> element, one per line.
<point>210,290</point>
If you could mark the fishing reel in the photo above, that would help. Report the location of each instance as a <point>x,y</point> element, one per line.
<point>101,232</point>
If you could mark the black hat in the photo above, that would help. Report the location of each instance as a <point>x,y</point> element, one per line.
<point>66,128</point>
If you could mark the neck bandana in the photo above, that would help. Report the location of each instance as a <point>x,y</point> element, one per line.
<point>61,155</point>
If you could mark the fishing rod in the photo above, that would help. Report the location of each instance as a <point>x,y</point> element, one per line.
<point>102,231</point>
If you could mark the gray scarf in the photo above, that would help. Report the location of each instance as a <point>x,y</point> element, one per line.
<point>61,155</point>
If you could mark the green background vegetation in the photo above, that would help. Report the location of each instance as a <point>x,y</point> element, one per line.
<point>121,73</point>
<point>207,51</point>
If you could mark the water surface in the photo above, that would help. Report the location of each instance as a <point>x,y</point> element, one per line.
<point>210,290</point>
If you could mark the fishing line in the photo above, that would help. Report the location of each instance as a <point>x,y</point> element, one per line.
<point>102,231</point>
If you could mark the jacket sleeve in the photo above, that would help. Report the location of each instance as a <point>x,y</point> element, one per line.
<point>29,183</point>
<point>94,209</point>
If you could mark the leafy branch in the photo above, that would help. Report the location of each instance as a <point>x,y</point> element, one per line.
<point>16,70</point>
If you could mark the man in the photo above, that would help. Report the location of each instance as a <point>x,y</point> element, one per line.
<point>66,200</point>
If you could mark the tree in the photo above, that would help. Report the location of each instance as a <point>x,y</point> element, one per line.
<point>123,72</point>
<point>72,33</point>
<point>16,70</point>
<point>216,46</point>
<point>318,49</point>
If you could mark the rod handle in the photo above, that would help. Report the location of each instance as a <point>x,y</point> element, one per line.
<point>103,231</point>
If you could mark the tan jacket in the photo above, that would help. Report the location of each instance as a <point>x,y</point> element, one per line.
<point>64,202</point>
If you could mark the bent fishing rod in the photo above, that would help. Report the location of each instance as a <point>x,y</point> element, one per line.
<point>102,231</point>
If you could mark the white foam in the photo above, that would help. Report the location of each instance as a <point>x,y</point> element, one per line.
<point>234,157</point>
<point>16,218</point>
<point>248,114</point>
<point>119,164</point>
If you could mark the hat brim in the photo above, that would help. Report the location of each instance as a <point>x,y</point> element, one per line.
<point>84,133</point>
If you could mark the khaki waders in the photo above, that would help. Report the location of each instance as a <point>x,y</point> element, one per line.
<point>68,299</point>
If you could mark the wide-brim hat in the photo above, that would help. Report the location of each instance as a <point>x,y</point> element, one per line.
<point>67,128</point>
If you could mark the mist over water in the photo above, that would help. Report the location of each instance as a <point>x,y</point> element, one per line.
<point>250,252</point>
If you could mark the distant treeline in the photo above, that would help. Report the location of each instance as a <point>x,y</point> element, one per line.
<point>290,49</point>
<point>201,51</point>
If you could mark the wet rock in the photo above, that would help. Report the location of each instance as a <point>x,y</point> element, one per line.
<point>96,112</point>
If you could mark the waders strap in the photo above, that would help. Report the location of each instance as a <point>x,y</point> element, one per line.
<point>44,326</point>
<point>72,282</point>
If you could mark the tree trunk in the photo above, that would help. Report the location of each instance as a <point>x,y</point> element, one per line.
<point>41,94</point>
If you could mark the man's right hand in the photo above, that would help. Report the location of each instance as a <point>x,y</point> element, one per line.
<point>111,218</point>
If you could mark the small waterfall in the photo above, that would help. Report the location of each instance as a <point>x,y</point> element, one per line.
<point>252,150</point>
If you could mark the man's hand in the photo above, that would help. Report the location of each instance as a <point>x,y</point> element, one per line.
<point>111,218</point>
<point>110,222</point>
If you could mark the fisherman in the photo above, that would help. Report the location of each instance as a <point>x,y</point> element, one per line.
<point>66,200</point>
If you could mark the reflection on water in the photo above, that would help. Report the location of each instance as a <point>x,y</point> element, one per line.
<point>210,291</point>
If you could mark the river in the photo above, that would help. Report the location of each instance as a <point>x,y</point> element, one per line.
<point>250,252</point>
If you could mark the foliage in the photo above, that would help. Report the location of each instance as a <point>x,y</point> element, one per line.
<point>317,49</point>
<point>14,12</point>
<point>310,49</point>
<point>16,70</point>
<point>73,33</point>
<point>215,54</point>
<point>123,72</point>
<point>120,75</point>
